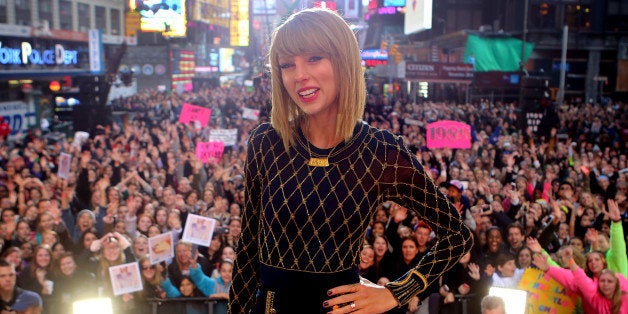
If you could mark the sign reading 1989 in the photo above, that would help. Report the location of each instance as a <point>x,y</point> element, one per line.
<point>448,134</point>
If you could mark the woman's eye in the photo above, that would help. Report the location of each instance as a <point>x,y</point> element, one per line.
<point>316,58</point>
<point>285,65</point>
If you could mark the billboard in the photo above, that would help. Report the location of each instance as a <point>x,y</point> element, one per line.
<point>418,16</point>
<point>439,72</point>
<point>239,24</point>
<point>165,16</point>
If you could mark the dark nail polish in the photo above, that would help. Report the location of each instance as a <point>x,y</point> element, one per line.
<point>325,304</point>
<point>329,292</point>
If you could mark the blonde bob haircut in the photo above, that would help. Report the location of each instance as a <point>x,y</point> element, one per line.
<point>317,31</point>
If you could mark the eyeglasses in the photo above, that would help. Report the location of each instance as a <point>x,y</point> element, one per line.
<point>148,267</point>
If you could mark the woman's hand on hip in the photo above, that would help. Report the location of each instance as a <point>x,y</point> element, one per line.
<point>364,297</point>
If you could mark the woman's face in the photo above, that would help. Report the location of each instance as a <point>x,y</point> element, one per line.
<point>215,244</point>
<point>380,215</point>
<point>23,230</point>
<point>27,250</point>
<point>607,284</point>
<point>148,270</point>
<point>88,239</point>
<point>235,228</point>
<point>577,244</point>
<point>111,251</point>
<point>46,222</point>
<point>186,288</point>
<point>228,253</point>
<point>42,258</point>
<point>524,258</point>
<point>161,216</point>
<point>8,216</point>
<point>310,81</point>
<point>67,265</point>
<point>380,247</point>
<point>378,229</point>
<point>367,257</point>
<point>153,231</point>
<point>494,240</point>
<point>57,251</point>
<point>226,272</point>
<point>409,250</point>
<point>14,258</point>
<point>140,246</point>
<point>595,264</point>
<point>144,223</point>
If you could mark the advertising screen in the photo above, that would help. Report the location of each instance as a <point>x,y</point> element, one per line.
<point>418,16</point>
<point>165,16</point>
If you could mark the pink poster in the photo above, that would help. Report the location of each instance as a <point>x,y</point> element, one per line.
<point>191,113</point>
<point>448,134</point>
<point>209,151</point>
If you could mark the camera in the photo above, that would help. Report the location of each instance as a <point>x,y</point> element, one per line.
<point>486,207</point>
<point>221,230</point>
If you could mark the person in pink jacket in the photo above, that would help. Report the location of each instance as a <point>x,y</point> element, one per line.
<point>603,294</point>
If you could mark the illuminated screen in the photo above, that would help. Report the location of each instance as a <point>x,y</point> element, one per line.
<point>418,16</point>
<point>395,3</point>
<point>264,7</point>
<point>226,60</point>
<point>165,16</point>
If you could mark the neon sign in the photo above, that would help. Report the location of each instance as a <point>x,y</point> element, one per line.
<point>27,55</point>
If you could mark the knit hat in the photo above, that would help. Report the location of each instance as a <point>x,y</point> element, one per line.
<point>89,212</point>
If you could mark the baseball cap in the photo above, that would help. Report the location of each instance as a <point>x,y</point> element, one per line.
<point>457,184</point>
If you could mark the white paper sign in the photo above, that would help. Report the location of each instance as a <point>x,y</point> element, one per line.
<point>125,278</point>
<point>160,248</point>
<point>227,136</point>
<point>65,160</point>
<point>199,230</point>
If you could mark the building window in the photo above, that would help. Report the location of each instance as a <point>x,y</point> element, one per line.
<point>101,18</point>
<point>3,11</point>
<point>83,17</point>
<point>45,10</point>
<point>22,12</point>
<point>65,14</point>
<point>578,17</point>
<point>542,16</point>
<point>115,22</point>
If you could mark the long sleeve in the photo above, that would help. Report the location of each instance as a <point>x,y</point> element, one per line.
<point>245,272</point>
<point>564,277</point>
<point>589,293</point>
<point>170,289</point>
<point>616,255</point>
<point>313,219</point>
<point>204,283</point>
<point>412,186</point>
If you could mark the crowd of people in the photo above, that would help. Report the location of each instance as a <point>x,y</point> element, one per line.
<point>530,199</point>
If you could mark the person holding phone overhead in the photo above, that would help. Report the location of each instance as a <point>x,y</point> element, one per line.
<point>314,177</point>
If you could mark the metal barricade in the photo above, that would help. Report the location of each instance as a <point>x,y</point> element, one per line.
<point>180,303</point>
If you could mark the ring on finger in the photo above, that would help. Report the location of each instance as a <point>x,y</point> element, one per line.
<point>353,305</point>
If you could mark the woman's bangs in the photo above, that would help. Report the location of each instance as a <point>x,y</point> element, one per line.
<point>297,38</point>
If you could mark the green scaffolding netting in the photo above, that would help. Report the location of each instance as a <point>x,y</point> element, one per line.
<point>495,54</point>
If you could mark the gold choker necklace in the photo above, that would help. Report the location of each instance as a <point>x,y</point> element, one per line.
<point>318,162</point>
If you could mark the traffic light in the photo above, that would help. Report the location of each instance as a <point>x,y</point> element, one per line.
<point>383,46</point>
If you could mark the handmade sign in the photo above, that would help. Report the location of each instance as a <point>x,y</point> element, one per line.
<point>546,295</point>
<point>191,113</point>
<point>199,229</point>
<point>448,134</point>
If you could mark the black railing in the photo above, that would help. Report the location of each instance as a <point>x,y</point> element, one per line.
<point>179,305</point>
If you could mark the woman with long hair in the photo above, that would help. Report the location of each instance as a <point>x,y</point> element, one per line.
<point>604,292</point>
<point>70,283</point>
<point>37,276</point>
